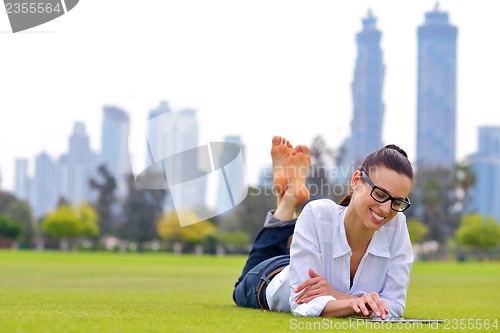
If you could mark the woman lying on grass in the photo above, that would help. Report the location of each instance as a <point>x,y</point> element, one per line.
<point>352,258</point>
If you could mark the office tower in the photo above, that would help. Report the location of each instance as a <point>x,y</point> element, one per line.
<point>157,131</point>
<point>238,181</point>
<point>62,177</point>
<point>172,132</point>
<point>114,146</point>
<point>436,95</point>
<point>485,194</point>
<point>21,188</point>
<point>82,164</point>
<point>45,196</point>
<point>368,107</point>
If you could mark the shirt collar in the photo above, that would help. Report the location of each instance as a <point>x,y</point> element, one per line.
<point>378,245</point>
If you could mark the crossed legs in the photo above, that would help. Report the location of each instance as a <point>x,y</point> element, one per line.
<point>271,247</point>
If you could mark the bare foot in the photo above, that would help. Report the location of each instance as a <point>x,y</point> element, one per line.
<point>280,152</point>
<point>298,167</point>
<point>296,192</point>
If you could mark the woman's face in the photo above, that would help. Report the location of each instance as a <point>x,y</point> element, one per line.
<point>374,214</point>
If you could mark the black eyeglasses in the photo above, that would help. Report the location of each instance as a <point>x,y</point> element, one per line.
<point>382,196</point>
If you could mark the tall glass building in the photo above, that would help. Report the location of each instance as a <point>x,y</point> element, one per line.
<point>81,165</point>
<point>172,133</point>
<point>114,146</point>
<point>485,195</point>
<point>436,95</point>
<point>45,195</point>
<point>22,179</point>
<point>367,88</point>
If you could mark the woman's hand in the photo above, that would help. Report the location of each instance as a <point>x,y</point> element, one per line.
<point>370,304</point>
<point>313,287</point>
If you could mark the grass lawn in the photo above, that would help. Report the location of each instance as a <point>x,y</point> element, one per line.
<point>110,292</point>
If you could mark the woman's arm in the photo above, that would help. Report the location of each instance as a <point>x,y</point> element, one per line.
<point>305,253</point>
<point>364,306</point>
<point>345,304</point>
<point>317,286</point>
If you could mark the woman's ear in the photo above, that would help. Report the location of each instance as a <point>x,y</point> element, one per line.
<point>355,179</point>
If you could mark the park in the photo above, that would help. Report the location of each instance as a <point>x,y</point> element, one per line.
<point>55,291</point>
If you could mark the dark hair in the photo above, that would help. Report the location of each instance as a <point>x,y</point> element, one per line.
<point>392,157</point>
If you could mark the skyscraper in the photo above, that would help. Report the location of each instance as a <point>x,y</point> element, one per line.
<point>22,180</point>
<point>81,164</point>
<point>367,88</point>
<point>157,130</point>
<point>171,133</point>
<point>485,194</point>
<point>114,145</point>
<point>45,195</point>
<point>436,95</point>
<point>238,180</point>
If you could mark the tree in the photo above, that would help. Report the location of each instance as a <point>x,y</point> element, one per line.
<point>479,232</point>
<point>197,234</point>
<point>169,228</point>
<point>141,210</point>
<point>66,223</point>
<point>465,178</point>
<point>417,230</point>
<point>9,229</point>
<point>435,199</point>
<point>251,212</point>
<point>105,201</point>
<point>19,211</point>
<point>89,220</point>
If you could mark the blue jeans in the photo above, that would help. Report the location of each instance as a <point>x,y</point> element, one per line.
<point>270,253</point>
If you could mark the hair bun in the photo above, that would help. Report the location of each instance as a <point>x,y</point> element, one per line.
<point>397,148</point>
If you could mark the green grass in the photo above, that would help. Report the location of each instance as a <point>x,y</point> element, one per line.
<point>111,292</point>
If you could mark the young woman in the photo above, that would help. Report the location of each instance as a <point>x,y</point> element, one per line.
<point>352,258</point>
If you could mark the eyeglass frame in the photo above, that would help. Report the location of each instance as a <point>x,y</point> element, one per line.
<point>389,197</point>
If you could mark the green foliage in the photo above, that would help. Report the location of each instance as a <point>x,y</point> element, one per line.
<point>434,196</point>
<point>237,238</point>
<point>89,220</point>
<point>479,232</point>
<point>9,229</point>
<point>417,230</point>
<point>19,211</point>
<point>141,210</point>
<point>106,200</point>
<point>169,228</point>
<point>67,222</point>
<point>251,213</point>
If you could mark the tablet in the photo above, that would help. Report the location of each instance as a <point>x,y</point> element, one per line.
<point>400,320</point>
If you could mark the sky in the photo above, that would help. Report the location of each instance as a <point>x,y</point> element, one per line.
<point>251,68</point>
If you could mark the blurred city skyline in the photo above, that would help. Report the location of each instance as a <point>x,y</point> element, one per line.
<point>253,69</point>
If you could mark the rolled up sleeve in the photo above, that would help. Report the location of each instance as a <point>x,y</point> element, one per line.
<point>304,255</point>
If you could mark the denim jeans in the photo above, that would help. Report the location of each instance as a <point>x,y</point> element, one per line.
<point>269,252</point>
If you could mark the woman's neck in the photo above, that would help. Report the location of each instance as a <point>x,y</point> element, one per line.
<point>358,236</point>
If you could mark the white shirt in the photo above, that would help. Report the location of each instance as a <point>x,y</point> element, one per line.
<point>319,242</point>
